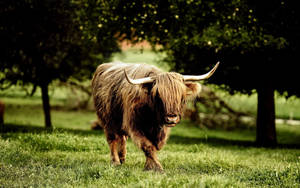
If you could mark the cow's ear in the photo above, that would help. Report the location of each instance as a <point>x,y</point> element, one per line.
<point>193,89</point>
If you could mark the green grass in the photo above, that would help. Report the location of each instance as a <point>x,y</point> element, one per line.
<point>25,110</point>
<point>33,156</point>
<point>72,155</point>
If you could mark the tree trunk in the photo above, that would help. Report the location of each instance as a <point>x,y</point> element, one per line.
<point>46,105</point>
<point>265,124</point>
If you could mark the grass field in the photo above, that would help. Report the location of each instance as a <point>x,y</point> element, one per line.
<point>72,155</point>
<point>33,156</point>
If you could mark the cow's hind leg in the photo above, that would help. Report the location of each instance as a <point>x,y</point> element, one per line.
<point>113,142</point>
<point>122,148</point>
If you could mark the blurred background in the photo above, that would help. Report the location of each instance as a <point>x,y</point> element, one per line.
<point>50,50</point>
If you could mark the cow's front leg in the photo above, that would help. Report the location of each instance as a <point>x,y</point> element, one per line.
<point>149,150</point>
<point>152,162</point>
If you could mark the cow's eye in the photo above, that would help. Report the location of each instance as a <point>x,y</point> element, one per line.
<point>158,99</point>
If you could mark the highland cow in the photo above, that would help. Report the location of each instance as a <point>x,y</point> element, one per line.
<point>142,102</point>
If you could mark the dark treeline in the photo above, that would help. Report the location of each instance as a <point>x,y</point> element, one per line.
<point>256,42</point>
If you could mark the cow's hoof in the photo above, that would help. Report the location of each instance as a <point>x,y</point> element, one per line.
<point>122,161</point>
<point>160,170</point>
<point>154,166</point>
<point>115,163</point>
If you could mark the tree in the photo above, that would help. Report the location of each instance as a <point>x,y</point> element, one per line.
<point>255,42</point>
<point>48,40</point>
<point>279,19</point>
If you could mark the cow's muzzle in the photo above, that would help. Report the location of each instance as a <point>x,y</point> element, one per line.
<point>171,120</point>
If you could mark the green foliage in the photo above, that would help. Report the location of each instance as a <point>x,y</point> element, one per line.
<point>42,41</point>
<point>39,41</point>
<point>244,35</point>
<point>49,40</point>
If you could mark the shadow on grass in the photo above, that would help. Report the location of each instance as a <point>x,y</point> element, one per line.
<point>41,139</point>
<point>14,128</point>
<point>174,139</point>
<point>221,142</point>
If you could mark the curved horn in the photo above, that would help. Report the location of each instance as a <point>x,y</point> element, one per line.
<point>201,77</point>
<point>138,81</point>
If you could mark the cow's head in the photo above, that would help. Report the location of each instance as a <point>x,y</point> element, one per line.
<point>169,92</point>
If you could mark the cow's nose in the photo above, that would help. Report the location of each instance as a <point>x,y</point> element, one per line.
<point>172,119</point>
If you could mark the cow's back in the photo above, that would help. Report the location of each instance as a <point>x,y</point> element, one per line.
<point>112,93</point>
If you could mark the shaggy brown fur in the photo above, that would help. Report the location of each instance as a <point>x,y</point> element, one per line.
<point>2,108</point>
<point>138,111</point>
